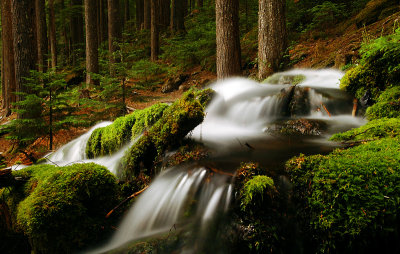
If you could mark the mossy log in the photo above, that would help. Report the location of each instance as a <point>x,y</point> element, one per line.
<point>177,121</point>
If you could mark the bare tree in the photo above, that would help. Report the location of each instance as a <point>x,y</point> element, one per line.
<point>228,42</point>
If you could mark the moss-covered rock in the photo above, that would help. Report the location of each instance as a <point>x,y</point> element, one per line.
<point>388,105</point>
<point>376,129</point>
<point>177,121</point>
<point>349,200</point>
<point>62,209</point>
<point>255,189</point>
<point>109,139</point>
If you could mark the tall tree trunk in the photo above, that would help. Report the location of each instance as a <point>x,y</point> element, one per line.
<point>65,33</point>
<point>76,27</point>
<point>185,7</point>
<point>200,3</point>
<point>165,12</point>
<point>147,14</point>
<point>127,16</point>
<point>92,57</point>
<point>228,43</point>
<point>114,32</point>
<point>41,34</point>
<point>272,37</point>
<point>139,14</point>
<point>53,39</point>
<point>154,31</point>
<point>8,68</point>
<point>178,15</point>
<point>24,40</point>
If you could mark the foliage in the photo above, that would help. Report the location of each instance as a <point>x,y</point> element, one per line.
<point>145,73</point>
<point>109,139</point>
<point>177,121</point>
<point>62,209</point>
<point>197,46</point>
<point>378,69</point>
<point>255,189</point>
<point>375,129</point>
<point>349,199</point>
<point>388,105</point>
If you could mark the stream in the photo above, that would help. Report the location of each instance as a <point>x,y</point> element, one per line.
<point>245,121</point>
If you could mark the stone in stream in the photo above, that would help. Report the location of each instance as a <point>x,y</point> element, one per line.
<point>299,127</point>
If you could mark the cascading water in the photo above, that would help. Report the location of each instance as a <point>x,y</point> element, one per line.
<point>237,128</point>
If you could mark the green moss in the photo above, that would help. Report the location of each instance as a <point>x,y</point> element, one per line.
<point>388,105</point>
<point>350,199</point>
<point>109,139</point>
<point>177,121</point>
<point>255,188</point>
<point>376,129</point>
<point>62,209</point>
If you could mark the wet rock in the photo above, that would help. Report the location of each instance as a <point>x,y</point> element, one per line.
<point>173,83</point>
<point>295,101</point>
<point>281,79</point>
<point>302,127</point>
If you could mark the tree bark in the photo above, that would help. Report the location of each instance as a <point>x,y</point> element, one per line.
<point>139,14</point>
<point>147,14</point>
<point>228,43</point>
<point>41,34</point>
<point>53,39</point>
<point>8,68</point>
<point>272,36</point>
<point>200,3</point>
<point>76,27</point>
<point>178,16</point>
<point>114,32</point>
<point>24,40</point>
<point>92,61</point>
<point>65,34</point>
<point>127,12</point>
<point>155,46</point>
<point>165,12</point>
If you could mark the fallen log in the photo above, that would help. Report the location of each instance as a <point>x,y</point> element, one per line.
<point>126,200</point>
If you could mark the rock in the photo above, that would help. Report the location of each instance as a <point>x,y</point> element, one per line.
<point>173,83</point>
<point>302,127</point>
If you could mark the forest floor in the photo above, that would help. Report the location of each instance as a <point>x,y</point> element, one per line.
<point>336,47</point>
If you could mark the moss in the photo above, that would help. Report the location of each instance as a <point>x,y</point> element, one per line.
<point>376,129</point>
<point>255,189</point>
<point>62,209</point>
<point>350,199</point>
<point>388,105</point>
<point>109,139</point>
<point>177,121</point>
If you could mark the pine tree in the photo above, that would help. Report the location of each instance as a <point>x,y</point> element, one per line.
<point>92,57</point>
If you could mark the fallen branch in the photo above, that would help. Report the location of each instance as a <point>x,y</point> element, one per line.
<point>329,114</point>
<point>219,171</point>
<point>126,200</point>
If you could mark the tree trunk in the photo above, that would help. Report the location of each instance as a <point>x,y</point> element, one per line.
<point>165,13</point>
<point>41,34</point>
<point>114,32</point>
<point>24,40</point>
<point>139,14</point>
<point>178,16</point>
<point>272,37</point>
<point>199,3</point>
<point>154,31</point>
<point>8,68</point>
<point>65,33</point>
<point>92,61</point>
<point>53,39</point>
<point>77,37</point>
<point>127,12</point>
<point>228,43</point>
<point>147,14</point>
<point>185,7</point>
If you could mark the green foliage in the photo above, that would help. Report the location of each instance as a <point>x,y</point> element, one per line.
<point>62,209</point>
<point>378,69</point>
<point>177,121</point>
<point>388,105</point>
<point>326,14</point>
<point>107,140</point>
<point>197,46</point>
<point>376,129</point>
<point>349,200</point>
<point>255,189</point>
<point>146,73</point>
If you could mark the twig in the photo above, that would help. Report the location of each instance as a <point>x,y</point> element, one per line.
<point>126,200</point>
<point>329,114</point>
<point>219,171</point>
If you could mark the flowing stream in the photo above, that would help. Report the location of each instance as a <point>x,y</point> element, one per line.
<point>243,123</point>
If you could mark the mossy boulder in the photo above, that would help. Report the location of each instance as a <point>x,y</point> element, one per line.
<point>349,200</point>
<point>62,209</point>
<point>375,129</point>
<point>107,140</point>
<point>299,127</point>
<point>167,133</point>
<point>387,105</point>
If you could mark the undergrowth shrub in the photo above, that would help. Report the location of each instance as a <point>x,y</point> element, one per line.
<point>109,139</point>
<point>349,200</point>
<point>62,209</point>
